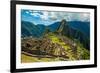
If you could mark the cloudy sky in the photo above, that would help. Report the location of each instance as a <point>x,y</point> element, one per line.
<point>49,17</point>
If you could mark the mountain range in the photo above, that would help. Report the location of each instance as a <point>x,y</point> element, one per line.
<point>73,29</point>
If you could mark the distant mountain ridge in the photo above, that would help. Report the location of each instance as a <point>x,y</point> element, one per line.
<point>29,29</point>
<point>84,27</point>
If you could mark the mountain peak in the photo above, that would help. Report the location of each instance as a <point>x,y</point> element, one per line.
<point>61,26</point>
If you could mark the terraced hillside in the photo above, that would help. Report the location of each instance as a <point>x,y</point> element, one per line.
<point>52,48</point>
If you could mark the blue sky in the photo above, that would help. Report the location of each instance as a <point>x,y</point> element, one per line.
<point>49,17</point>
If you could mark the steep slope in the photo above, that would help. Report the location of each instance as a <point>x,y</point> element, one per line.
<point>84,27</point>
<point>77,35</point>
<point>29,29</point>
<point>53,27</point>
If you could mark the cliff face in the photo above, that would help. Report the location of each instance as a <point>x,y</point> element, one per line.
<point>63,23</point>
<point>76,35</point>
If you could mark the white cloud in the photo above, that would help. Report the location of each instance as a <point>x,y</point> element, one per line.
<point>69,16</point>
<point>85,16</point>
<point>53,15</point>
<point>35,14</point>
<point>44,16</point>
<point>73,16</point>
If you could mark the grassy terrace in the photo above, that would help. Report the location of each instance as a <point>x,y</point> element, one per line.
<point>69,52</point>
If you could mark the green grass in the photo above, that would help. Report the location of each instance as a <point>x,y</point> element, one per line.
<point>69,52</point>
<point>29,59</point>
